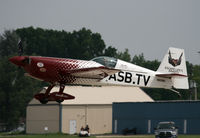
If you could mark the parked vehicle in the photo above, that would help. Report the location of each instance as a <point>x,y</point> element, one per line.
<point>166,130</point>
<point>85,132</point>
<point>127,131</point>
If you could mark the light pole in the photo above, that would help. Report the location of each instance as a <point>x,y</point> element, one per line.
<point>193,85</point>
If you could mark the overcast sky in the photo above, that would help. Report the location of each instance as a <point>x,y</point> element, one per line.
<point>142,26</point>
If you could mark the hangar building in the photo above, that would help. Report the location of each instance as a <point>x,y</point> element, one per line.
<point>92,106</point>
<point>145,116</point>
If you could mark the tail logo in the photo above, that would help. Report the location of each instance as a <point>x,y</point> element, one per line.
<point>174,62</point>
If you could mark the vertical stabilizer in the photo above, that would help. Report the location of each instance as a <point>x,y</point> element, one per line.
<point>174,66</point>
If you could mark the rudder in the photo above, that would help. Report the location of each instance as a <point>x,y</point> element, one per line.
<point>174,66</point>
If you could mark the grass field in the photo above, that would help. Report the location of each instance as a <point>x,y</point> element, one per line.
<point>73,136</point>
<point>40,136</point>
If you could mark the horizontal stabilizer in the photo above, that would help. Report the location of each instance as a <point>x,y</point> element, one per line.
<point>170,75</point>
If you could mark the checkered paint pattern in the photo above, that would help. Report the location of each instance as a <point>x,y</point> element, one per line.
<point>64,66</point>
<point>58,70</point>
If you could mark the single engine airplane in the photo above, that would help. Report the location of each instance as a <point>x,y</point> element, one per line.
<point>101,71</point>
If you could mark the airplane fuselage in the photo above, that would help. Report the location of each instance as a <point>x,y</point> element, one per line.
<point>60,70</point>
<point>172,73</point>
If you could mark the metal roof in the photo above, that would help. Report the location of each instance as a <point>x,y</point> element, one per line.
<point>102,95</point>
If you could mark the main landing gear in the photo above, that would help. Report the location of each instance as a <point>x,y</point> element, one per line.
<point>54,96</point>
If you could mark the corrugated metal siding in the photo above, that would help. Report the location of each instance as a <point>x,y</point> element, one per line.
<point>98,117</point>
<point>42,119</point>
<point>130,115</point>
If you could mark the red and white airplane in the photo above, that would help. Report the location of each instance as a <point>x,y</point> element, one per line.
<point>103,70</point>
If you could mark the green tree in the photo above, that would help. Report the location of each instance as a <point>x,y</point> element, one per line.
<point>8,42</point>
<point>13,96</point>
<point>124,55</point>
<point>89,44</point>
<point>139,60</point>
<point>111,52</point>
<point>82,44</point>
<point>196,77</point>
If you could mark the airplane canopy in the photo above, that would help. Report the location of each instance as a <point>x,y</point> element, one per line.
<point>109,62</point>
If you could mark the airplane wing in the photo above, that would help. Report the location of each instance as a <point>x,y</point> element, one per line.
<point>93,73</point>
<point>170,75</point>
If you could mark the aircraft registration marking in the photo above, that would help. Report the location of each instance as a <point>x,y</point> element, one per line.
<point>130,78</point>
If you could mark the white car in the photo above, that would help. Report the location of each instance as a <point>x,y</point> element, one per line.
<point>166,130</point>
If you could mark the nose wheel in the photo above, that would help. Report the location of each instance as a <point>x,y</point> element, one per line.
<point>44,101</point>
<point>55,96</point>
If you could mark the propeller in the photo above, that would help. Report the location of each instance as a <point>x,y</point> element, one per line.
<point>14,80</point>
<point>20,52</point>
<point>20,48</point>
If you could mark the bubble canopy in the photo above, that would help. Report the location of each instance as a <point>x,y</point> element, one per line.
<point>109,62</point>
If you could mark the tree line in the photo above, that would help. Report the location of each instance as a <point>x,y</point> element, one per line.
<point>16,91</point>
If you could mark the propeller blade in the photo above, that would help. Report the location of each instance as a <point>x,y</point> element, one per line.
<point>20,48</point>
<point>14,80</point>
<point>20,52</point>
